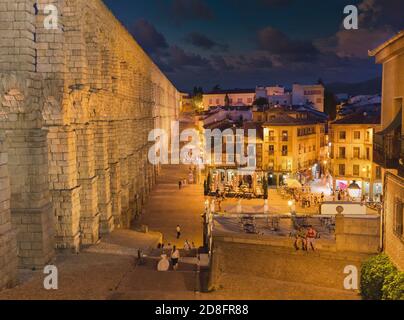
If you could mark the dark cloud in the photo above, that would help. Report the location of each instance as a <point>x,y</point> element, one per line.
<point>277,43</point>
<point>220,63</point>
<point>201,41</point>
<point>275,3</point>
<point>178,58</point>
<point>379,13</point>
<point>191,10</point>
<point>378,21</point>
<point>148,37</point>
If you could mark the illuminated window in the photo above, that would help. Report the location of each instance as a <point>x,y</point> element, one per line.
<point>356,170</point>
<point>342,135</point>
<point>398,219</point>
<point>284,151</point>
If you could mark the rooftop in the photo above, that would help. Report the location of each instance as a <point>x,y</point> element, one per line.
<point>232,91</point>
<point>363,116</point>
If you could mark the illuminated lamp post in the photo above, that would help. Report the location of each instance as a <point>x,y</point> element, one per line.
<point>354,190</point>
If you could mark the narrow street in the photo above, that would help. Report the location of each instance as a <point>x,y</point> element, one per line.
<point>168,206</point>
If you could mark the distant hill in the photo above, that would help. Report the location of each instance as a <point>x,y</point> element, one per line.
<point>369,87</point>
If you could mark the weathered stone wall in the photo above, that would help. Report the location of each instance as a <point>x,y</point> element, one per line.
<point>358,234</point>
<point>264,260</point>
<point>393,244</point>
<point>78,103</point>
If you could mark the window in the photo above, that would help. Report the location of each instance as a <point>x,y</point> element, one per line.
<point>367,136</point>
<point>357,135</point>
<point>342,135</point>
<point>367,153</point>
<point>356,152</point>
<point>249,100</point>
<point>342,153</point>
<point>240,100</point>
<point>271,149</point>
<point>285,136</point>
<point>217,101</point>
<point>378,172</point>
<point>210,101</point>
<point>342,169</point>
<point>284,151</point>
<point>271,135</point>
<point>356,170</point>
<point>398,220</point>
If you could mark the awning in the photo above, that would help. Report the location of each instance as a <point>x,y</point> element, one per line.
<point>393,125</point>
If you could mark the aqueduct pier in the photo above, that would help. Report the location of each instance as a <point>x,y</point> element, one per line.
<point>76,106</point>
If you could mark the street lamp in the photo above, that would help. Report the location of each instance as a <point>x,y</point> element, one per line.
<point>354,190</point>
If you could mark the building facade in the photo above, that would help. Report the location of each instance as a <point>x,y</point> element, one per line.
<point>235,98</point>
<point>309,94</point>
<point>352,153</point>
<point>389,145</point>
<point>277,95</point>
<point>294,146</point>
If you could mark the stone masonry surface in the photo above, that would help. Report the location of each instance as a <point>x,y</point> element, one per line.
<point>76,106</point>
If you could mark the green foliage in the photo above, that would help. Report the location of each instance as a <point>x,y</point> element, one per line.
<point>227,100</point>
<point>330,104</point>
<point>393,288</point>
<point>260,102</point>
<point>374,274</point>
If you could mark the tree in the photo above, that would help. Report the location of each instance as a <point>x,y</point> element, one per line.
<point>330,104</point>
<point>261,102</point>
<point>227,100</point>
<point>197,98</point>
<point>216,88</point>
<point>330,101</point>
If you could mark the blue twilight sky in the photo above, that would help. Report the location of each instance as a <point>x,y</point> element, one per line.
<point>244,43</point>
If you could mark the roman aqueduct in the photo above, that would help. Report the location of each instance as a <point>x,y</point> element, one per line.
<point>76,106</point>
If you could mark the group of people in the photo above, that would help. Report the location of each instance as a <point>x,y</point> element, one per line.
<point>306,239</point>
<point>173,253</point>
<point>308,200</point>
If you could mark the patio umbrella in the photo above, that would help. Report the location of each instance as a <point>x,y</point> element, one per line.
<point>293,183</point>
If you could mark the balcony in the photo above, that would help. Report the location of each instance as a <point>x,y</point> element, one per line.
<point>386,151</point>
<point>388,146</point>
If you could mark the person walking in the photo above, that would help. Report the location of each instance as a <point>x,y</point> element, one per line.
<point>175,256</point>
<point>180,185</point>
<point>301,237</point>
<point>311,238</point>
<point>187,246</point>
<point>178,232</point>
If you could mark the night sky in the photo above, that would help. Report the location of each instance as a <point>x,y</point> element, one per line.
<point>244,43</point>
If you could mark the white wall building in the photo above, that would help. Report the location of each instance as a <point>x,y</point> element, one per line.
<point>306,94</point>
<point>237,98</point>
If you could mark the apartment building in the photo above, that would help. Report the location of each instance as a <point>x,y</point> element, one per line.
<point>294,145</point>
<point>309,94</point>
<point>351,140</point>
<point>234,97</point>
<point>389,145</point>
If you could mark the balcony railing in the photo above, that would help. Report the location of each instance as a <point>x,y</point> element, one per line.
<point>386,151</point>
